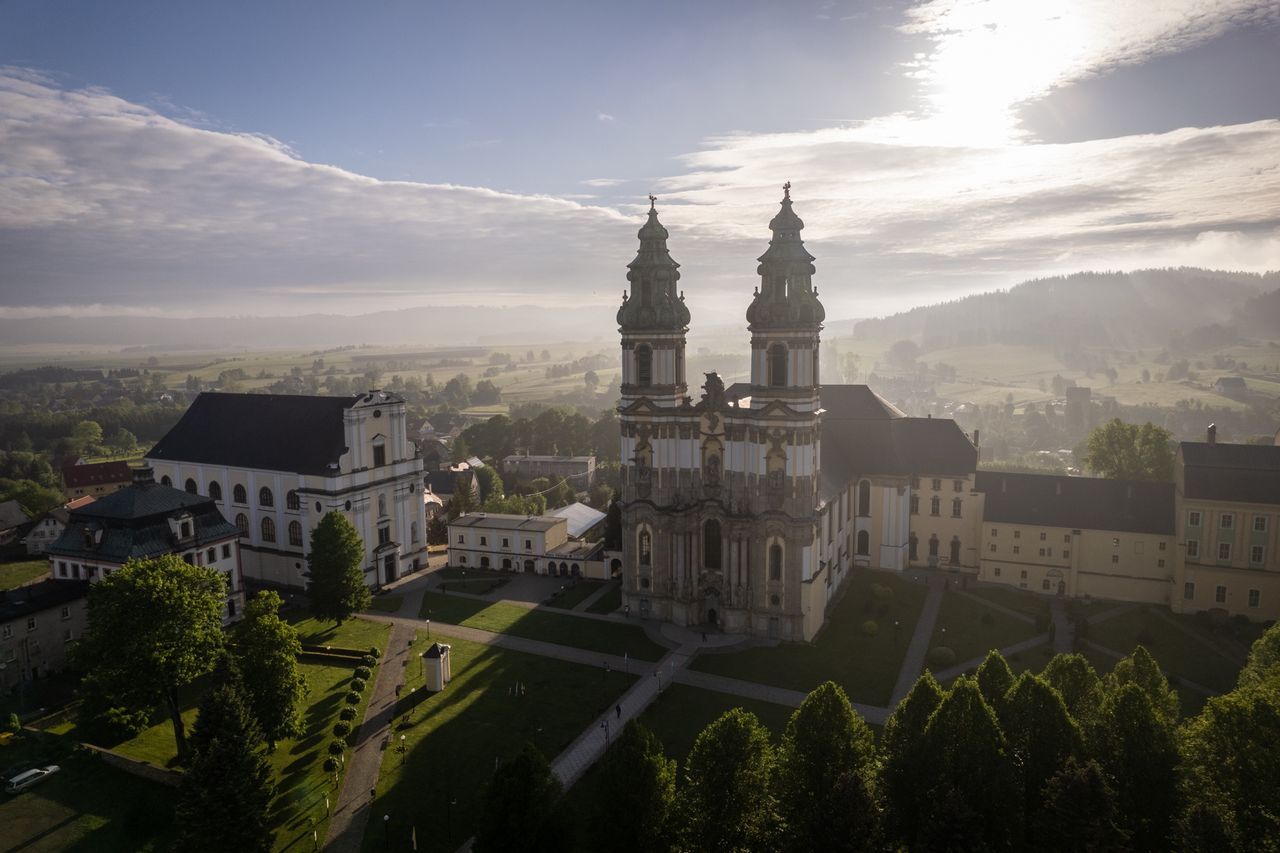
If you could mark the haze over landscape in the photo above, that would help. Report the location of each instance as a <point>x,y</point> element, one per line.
<point>182,160</point>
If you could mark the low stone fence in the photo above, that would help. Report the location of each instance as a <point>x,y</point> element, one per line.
<point>143,769</point>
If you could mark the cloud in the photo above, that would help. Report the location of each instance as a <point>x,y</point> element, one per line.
<point>104,201</point>
<point>604,182</point>
<point>605,117</point>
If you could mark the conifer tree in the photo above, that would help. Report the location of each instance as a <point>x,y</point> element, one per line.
<point>225,799</point>
<point>335,561</point>
<point>1140,668</point>
<point>904,765</point>
<point>1077,683</point>
<point>994,678</point>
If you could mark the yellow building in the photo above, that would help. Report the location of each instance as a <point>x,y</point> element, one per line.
<point>1227,526</point>
<point>1078,537</point>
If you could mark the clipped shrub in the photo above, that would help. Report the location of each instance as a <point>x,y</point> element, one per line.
<point>353,698</point>
<point>870,628</point>
<point>368,660</point>
<point>14,725</point>
<point>374,653</point>
<point>347,713</point>
<point>331,765</point>
<point>357,685</point>
<point>363,672</point>
<point>341,729</point>
<point>881,592</point>
<point>337,747</point>
<point>941,657</point>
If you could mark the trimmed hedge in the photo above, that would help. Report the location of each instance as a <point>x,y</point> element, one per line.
<point>347,713</point>
<point>363,672</point>
<point>341,729</point>
<point>353,698</point>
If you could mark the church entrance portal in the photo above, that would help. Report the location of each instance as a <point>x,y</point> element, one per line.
<point>712,604</point>
<point>389,564</point>
<point>711,616</point>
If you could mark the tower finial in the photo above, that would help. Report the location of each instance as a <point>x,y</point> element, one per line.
<point>786,190</point>
<point>653,201</point>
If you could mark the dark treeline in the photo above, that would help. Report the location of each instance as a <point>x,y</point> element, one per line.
<point>1060,761</point>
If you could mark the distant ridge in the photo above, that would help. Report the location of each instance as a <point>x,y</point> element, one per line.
<point>1120,309</point>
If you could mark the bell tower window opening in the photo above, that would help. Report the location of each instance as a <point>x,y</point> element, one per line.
<point>777,366</point>
<point>644,366</point>
<point>711,544</point>
<point>775,562</point>
<point>864,498</point>
<point>646,548</point>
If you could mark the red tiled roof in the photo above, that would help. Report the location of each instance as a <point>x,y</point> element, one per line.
<point>95,474</point>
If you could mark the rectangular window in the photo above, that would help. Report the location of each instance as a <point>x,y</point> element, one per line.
<point>1043,536</point>
<point>31,623</point>
<point>1115,542</point>
<point>1193,548</point>
<point>915,482</point>
<point>1257,555</point>
<point>62,570</point>
<point>959,485</point>
<point>66,636</point>
<point>1255,598</point>
<point>384,535</point>
<point>1188,591</point>
<point>1044,584</point>
<point>1041,552</point>
<point>1017,534</point>
<point>1115,558</point>
<point>484,540</point>
<point>992,547</point>
<point>6,632</point>
<point>1260,523</point>
<point>937,485</point>
<point>1048,552</point>
<point>379,455</point>
<point>1227,521</point>
<point>1224,550</point>
<point>1066,555</point>
<point>1220,595</point>
<point>461,539</point>
<point>1193,518</point>
<point>1023,575</point>
<point>915,504</point>
<point>1066,537</point>
<point>955,508</point>
<point>1162,546</point>
<point>66,613</point>
<point>1159,564</point>
<point>506,543</point>
<point>226,551</point>
<point>528,544</point>
<point>935,505</point>
<point>1017,549</point>
<point>995,532</point>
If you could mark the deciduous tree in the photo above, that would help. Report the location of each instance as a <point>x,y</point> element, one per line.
<point>337,577</point>
<point>1079,812</point>
<point>522,811</point>
<point>266,651</point>
<point>904,765</point>
<point>994,678</point>
<point>1140,668</point>
<point>1042,737</point>
<point>1077,683</point>
<point>635,796</point>
<point>1121,451</point>
<point>155,626</point>
<point>727,802</point>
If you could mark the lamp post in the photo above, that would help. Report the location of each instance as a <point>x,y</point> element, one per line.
<point>386,832</point>
<point>402,749</point>
<point>428,624</point>
<point>448,826</point>
<point>604,724</point>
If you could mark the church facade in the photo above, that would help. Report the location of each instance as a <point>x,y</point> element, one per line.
<point>748,508</point>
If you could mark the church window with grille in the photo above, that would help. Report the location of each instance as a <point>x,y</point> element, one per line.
<point>295,533</point>
<point>775,562</point>
<point>777,365</point>
<point>646,548</point>
<point>644,366</point>
<point>268,529</point>
<point>265,498</point>
<point>711,544</point>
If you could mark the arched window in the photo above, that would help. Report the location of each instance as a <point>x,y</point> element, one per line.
<point>295,533</point>
<point>215,491</point>
<point>190,486</point>
<point>864,497</point>
<point>382,505</point>
<point>506,563</point>
<point>484,562</point>
<point>955,549</point>
<point>777,365</point>
<point>242,522</point>
<point>711,544</point>
<point>864,543</point>
<point>775,562</point>
<point>239,495</point>
<point>644,366</point>
<point>646,548</point>
<point>166,481</point>
<point>265,498</point>
<point>933,545</point>
<point>268,529</point>
<point>551,567</point>
<point>292,501</point>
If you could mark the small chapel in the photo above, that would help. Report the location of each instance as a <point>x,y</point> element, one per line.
<point>746,509</point>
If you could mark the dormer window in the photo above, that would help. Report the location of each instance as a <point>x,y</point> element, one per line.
<point>185,530</point>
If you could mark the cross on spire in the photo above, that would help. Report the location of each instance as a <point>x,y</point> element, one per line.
<point>786,190</point>
<point>653,200</point>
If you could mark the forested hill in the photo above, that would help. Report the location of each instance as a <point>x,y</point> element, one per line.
<point>1118,309</point>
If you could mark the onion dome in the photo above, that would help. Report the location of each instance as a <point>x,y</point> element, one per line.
<point>786,298</point>
<point>654,302</point>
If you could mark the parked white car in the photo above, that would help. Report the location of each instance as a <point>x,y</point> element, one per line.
<point>26,779</point>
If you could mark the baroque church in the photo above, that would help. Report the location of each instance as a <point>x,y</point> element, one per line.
<point>748,508</point>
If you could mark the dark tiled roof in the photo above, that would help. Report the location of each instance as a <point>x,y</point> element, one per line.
<point>95,474</point>
<point>33,598</point>
<point>1077,502</point>
<point>12,515</point>
<point>272,432</point>
<point>500,521</point>
<point>1231,472</point>
<point>853,447</point>
<point>133,523</point>
<point>857,401</point>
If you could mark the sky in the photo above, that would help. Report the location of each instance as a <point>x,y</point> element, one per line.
<point>187,159</point>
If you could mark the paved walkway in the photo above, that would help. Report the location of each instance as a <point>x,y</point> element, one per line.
<point>1064,630</point>
<point>346,828</point>
<point>597,595</point>
<point>1017,648</point>
<point>1007,611</point>
<point>913,661</point>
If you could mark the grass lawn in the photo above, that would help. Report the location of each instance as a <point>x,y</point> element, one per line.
<point>475,586</point>
<point>866,667</point>
<point>565,630</point>
<point>352,634</point>
<point>453,737</point>
<point>575,595</point>
<point>14,575</point>
<point>1015,599</point>
<point>386,603</point>
<point>972,629</point>
<point>1179,654</point>
<point>608,602</point>
<point>86,806</point>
